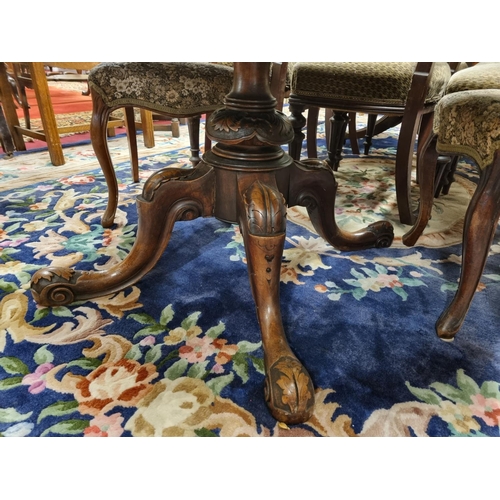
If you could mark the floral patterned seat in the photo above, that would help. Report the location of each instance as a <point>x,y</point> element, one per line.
<point>173,88</point>
<point>176,89</point>
<point>467,122</point>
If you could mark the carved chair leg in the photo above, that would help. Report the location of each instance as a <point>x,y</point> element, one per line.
<point>298,121</point>
<point>426,169</point>
<point>328,126</point>
<point>193,123</point>
<point>98,137</point>
<point>370,129</point>
<point>132,142</point>
<point>313,185</point>
<point>480,225</point>
<point>208,141</point>
<point>337,137</point>
<point>5,135</point>
<point>148,129</point>
<point>174,124</point>
<point>404,162</point>
<point>450,176</point>
<point>312,132</point>
<point>169,195</point>
<point>353,139</point>
<point>289,390</point>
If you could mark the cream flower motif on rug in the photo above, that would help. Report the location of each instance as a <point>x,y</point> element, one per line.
<point>173,408</point>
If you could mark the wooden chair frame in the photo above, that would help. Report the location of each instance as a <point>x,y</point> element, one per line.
<point>417,115</point>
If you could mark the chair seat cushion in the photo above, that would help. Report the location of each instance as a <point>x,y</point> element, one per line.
<point>174,88</point>
<point>468,123</point>
<point>373,83</point>
<point>480,76</point>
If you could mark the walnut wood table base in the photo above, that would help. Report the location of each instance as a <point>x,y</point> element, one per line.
<point>246,179</point>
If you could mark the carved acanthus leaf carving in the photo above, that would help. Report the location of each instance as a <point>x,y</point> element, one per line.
<point>265,209</point>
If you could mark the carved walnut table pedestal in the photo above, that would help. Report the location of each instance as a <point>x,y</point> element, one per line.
<point>246,179</point>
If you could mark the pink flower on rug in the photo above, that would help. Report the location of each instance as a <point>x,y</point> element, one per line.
<point>105,426</point>
<point>77,179</point>
<point>13,243</point>
<point>44,187</point>
<point>217,368</point>
<point>197,349</point>
<point>36,380</point>
<point>375,284</point>
<point>488,409</point>
<point>149,340</point>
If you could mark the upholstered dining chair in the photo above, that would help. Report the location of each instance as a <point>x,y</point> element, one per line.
<point>176,89</point>
<point>180,90</point>
<point>405,89</point>
<point>466,122</point>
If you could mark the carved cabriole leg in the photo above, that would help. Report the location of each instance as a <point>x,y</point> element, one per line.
<point>289,390</point>
<point>98,136</point>
<point>313,185</point>
<point>480,225</point>
<point>426,169</point>
<point>298,121</point>
<point>168,195</point>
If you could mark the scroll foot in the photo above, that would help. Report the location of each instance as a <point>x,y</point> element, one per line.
<point>313,185</point>
<point>169,195</point>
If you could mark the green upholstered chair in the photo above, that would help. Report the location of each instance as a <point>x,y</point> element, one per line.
<point>176,89</point>
<point>403,89</point>
<point>467,122</point>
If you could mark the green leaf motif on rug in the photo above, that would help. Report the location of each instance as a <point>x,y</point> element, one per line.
<point>205,433</point>
<point>177,369</point>
<point>149,330</point>
<point>215,331</point>
<point>154,354</point>
<point>450,392</point>
<point>191,320</point>
<point>166,315</point>
<point>198,370</point>
<point>467,384</point>
<point>10,383</point>
<point>8,287</point>
<point>218,384</point>
<point>13,365</point>
<point>426,395</point>
<point>490,389</point>
<point>86,363</point>
<point>58,409</point>
<point>240,366</point>
<point>71,427</point>
<point>10,415</point>
<point>62,312</point>
<point>43,355</point>
<point>142,318</point>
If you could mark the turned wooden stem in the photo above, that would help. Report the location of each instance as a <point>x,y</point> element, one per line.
<point>251,90</point>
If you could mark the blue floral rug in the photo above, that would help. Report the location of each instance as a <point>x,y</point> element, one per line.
<point>179,353</point>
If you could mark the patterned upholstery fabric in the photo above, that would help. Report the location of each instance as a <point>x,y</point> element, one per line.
<point>175,88</point>
<point>468,123</point>
<point>480,76</point>
<point>385,83</point>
